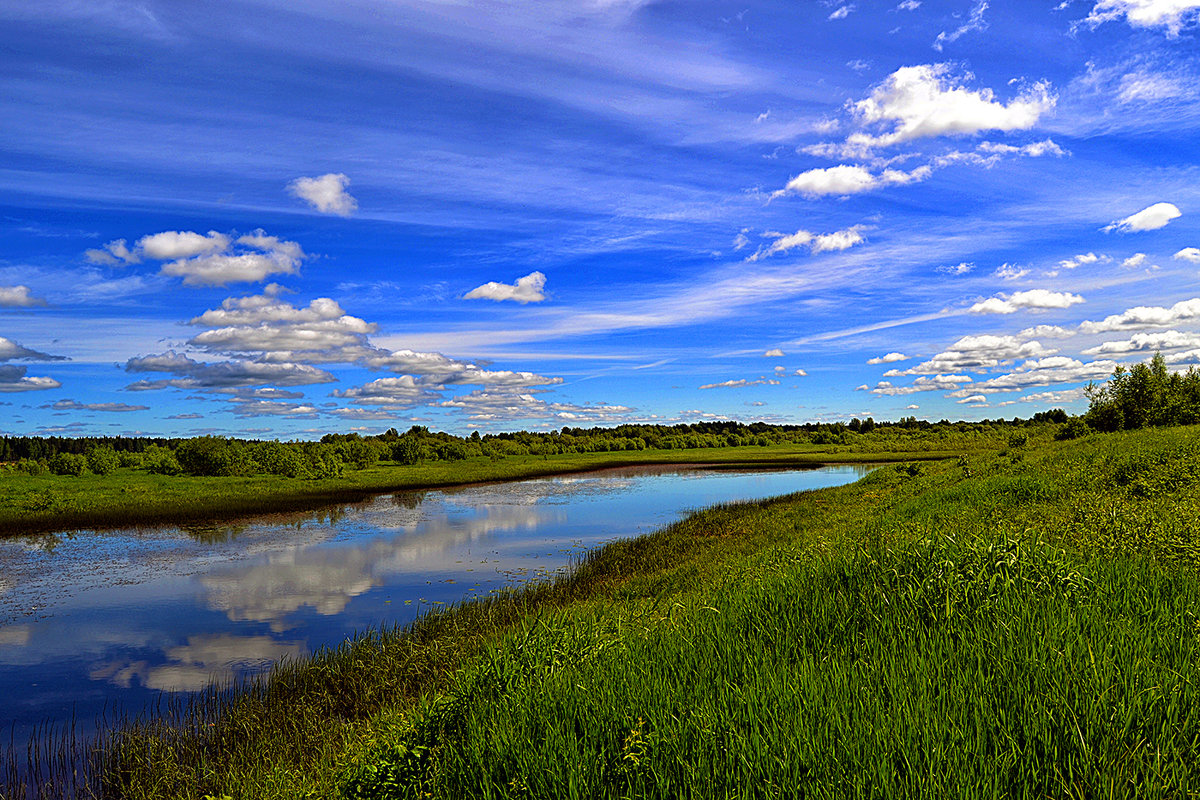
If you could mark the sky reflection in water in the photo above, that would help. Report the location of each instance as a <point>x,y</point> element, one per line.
<point>117,618</point>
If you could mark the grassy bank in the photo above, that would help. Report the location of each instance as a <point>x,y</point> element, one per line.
<point>1023,624</point>
<point>132,497</point>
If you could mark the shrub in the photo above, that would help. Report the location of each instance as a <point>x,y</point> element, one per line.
<point>31,466</point>
<point>213,456</point>
<point>1074,428</point>
<point>407,450</point>
<point>68,464</point>
<point>103,460</point>
<point>160,461</point>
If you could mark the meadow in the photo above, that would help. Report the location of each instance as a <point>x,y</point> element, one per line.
<point>1013,623</point>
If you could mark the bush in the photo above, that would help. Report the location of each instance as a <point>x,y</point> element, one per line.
<point>160,461</point>
<point>407,450</point>
<point>1074,428</point>
<point>31,466</point>
<point>213,456</point>
<point>68,464</point>
<point>275,458</point>
<point>103,460</point>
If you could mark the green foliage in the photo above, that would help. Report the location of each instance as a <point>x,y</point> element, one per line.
<point>1074,428</point>
<point>159,460</point>
<point>406,450</point>
<point>213,456</point>
<point>103,460</point>
<point>68,464</point>
<point>1143,396</point>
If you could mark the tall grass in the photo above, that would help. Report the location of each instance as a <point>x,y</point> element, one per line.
<point>1017,624</point>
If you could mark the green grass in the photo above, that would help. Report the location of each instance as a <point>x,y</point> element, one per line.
<point>1016,624</point>
<point>129,497</point>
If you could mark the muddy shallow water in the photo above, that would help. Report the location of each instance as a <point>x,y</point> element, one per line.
<point>116,619</point>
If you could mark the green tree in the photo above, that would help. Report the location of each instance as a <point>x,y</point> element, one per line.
<point>103,460</point>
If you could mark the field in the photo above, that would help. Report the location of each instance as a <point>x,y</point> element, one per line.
<point>1021,623</point>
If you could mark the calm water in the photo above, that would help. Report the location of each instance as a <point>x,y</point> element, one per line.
<point>117,618</point>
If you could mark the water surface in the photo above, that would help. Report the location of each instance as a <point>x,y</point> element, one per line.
<point>119,618</point>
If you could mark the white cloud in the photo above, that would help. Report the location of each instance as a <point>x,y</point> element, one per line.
<point>267,308</point>
<point>846,179</point>
<point>817,243</point>
<point>170,245</point>
<point>1148,219</point>
<point>249,407</point>
<point>978,353</point>
<point>1142,342</point>
<point>890,358</point>
<point>1145,317</point>
<point>1010,272</point>
<point>958,269</point>
<point>935,384</point>
<point>975,398</point>
<point>1043,372</point>
<point>800,373</point>
<point>774,353</point>
<point>487,406</point>
<point>1134,261</point>
<point>925,100</point>
<point>18,297</point>
<point>1148,87</point>
<point>1031,299</point>
<point>395,393</point>
<point>115,252</point>
<point>1080,260</point>
<point>975,22</point>
<point>1191,254</point>
<point>909,5</point>
<point>1046,332</point>
<point>526,290</point>
<point>1172,15</point>
<point>437,368</point>
<point>842,12</point>
<point>222,374</point>
<point>13,379</point>
<point>327,193</point>
<point>738,384</point>
<point>1061,396</point>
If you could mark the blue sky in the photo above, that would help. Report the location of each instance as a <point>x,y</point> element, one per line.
<point>289,218</point>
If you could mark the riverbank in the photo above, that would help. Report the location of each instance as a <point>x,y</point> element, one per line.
<point>1002,624</point>
<point>129,498</point>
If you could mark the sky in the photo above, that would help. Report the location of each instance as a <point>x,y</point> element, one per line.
<point>279,219</point>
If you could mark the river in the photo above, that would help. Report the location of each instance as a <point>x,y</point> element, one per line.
<point>97,620</point>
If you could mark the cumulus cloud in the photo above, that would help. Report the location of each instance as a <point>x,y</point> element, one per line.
<point>526,290</point>
<point>11,351</point>
<point>1080,260</point>
<point>1134,261</point>
<point>1171,15</point>
<point>977,353</point>
<point>1191,254</point>
<point>249,407</point>
<point>170,245</point>
<point>774,353</point>
<point>18,297</point>
<point>1061,396</point>
<point>974,398</point>
<point>437,368</point>
<point>842,12</point>
<point>327,193</point>
<point>846,179</point>
<point>394,393</point>
<point>212,259</point>
<point>72,405</point>
<point>1145,317</point>
<point>1035,299</point>
<point>975,22</point>
<point>1148,219</point>
<point>488,406</point>
<point>220,375</point>
<point>934,384</point>
<point>1142,342</point>
<point>13,379</point>
<point>889,358</point>
<point>1046,332</point>
<point>927,100</point>
<point>1042,372</point>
